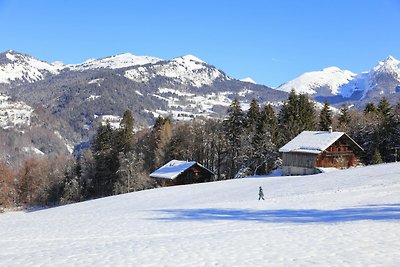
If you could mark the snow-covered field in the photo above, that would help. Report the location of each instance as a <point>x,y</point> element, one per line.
<point>341,218</point>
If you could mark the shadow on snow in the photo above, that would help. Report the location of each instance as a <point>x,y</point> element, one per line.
<point>371,212</point>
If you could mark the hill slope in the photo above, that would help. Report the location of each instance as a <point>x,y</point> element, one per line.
<point>340,218</point>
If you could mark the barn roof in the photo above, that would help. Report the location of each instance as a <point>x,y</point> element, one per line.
<point>174,168</point>
<point>314,142</point>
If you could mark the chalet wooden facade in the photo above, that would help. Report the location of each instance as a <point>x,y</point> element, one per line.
<point>311,150</point>
<point>178,172</point>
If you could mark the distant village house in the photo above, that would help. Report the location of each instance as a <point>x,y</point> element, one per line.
<point>311,150</point>
<point>178,172</point>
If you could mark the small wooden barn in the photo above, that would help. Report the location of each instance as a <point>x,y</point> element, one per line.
<point>178,172</point>
<point>311,150</point>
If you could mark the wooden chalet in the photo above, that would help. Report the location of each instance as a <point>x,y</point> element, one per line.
<point>178,172</point>
<point>311,150</point>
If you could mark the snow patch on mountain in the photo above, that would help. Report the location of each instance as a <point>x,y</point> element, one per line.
<point>114,62</point>
<point>33,150</point>
<point>113,120</point>
<point>96,81</point>
<point>19,67</point>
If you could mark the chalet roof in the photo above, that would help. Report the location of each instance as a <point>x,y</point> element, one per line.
<point>174,168</point>
<point>314,142</point>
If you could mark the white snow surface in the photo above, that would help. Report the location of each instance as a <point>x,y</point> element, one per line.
<point>24,68</point>
<point>114,62</point>
<point>312,142</point>
<point>342,218</point>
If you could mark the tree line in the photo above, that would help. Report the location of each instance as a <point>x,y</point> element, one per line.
<point>241,144</point>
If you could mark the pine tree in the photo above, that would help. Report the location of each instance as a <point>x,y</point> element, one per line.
<point>265,141</point>
<point>377,159</point>
<point>344,117</point>
<point>252,116</point>
<point>234,129</point>
<point>106,161</point>
<point>386,136</point>
<point>296,115</point>
<point>325,118</point>
<point>306,113</point>
<point>126,137</point>
<point>369,108</point>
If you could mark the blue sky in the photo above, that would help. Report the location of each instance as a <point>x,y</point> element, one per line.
<point>270,41</point>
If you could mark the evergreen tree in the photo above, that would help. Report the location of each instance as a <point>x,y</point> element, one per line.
<point>265,141</point>
<point>386,135</point>
<point>126,137</point>
<point>344,117</point>
<point>369,108</point>
<point>234,129</point>
<point>296,115</point>
<point>106,161</point>
<point>325,118</point>
<point>307,113</point>
<point>252,116</point>
<point>377,159</point>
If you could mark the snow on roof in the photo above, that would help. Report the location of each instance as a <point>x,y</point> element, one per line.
<point>313,142</point>
<point>173,169</point>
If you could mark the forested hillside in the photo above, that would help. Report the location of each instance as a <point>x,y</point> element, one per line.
<point>118,160</point>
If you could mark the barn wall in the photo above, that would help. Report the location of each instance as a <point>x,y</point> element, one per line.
<point>341,159</point>
<point>298,163</point>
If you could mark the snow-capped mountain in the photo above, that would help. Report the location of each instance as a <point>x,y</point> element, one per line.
<point>187,69</point>
<point>329,79</point>
<point>343,85</point>
<point>113,62</point>
<point>17,67</point>
<point>76,98</point>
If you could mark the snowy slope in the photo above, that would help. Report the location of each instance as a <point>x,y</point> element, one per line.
<point>20,67</point>
<point>113,62</point>
<point>342,218</point>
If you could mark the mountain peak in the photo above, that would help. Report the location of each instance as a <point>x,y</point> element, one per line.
<point>248,80</point>
<point>389,65</point>
<point>390,58</point>
<point>20,67</point>
<point>192,58</point>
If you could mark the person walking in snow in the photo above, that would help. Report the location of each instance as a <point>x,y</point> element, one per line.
<point>260,194</point>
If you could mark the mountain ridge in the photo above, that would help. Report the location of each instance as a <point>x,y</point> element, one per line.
<point>340,85</point>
